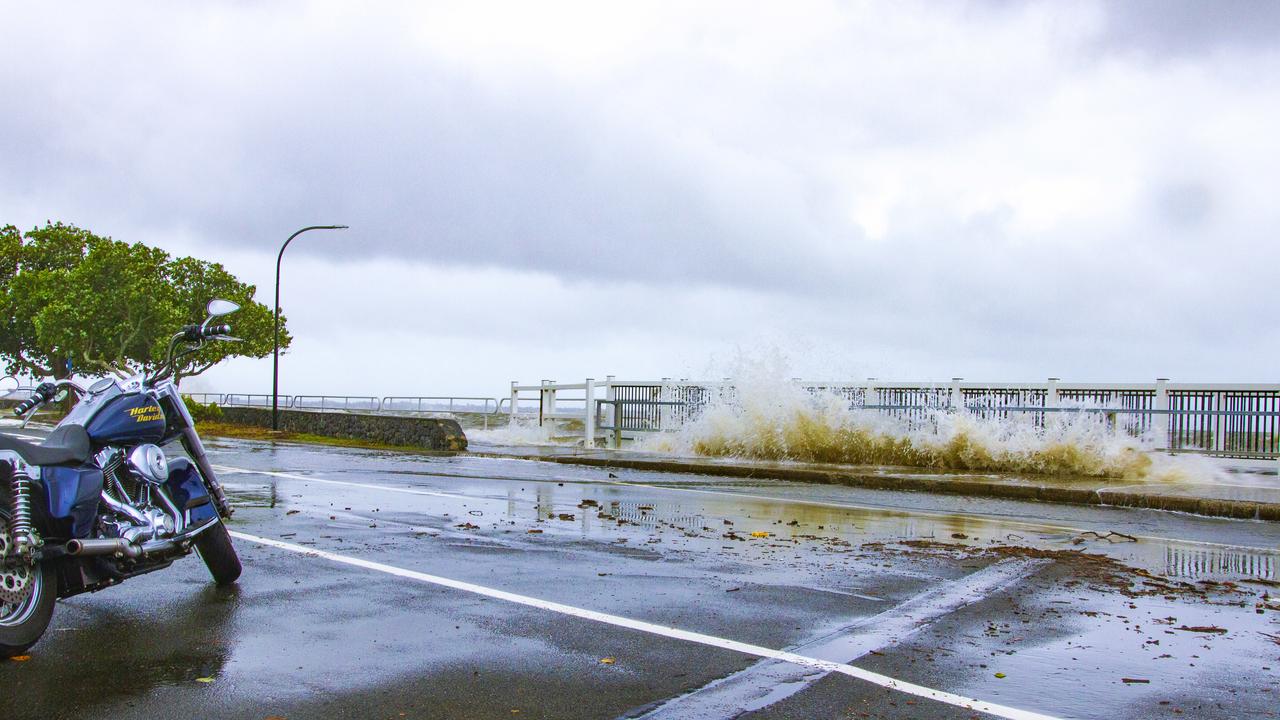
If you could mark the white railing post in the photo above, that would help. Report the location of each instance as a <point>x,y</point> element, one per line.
<point>957,395</point>
<point>1051,400</point>
<point>871,396</point>
<point>548,399</point>
<point>666,418</point>
<point>515,400</point>
<point>589,421</point>
<point>1161,421</point>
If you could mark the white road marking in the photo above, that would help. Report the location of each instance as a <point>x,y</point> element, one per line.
<point>308,478</point>
<point>23,437</point>
<point>884,681</point>
<point>769,681</point>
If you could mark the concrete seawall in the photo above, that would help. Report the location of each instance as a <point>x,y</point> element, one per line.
<point>429,433</point>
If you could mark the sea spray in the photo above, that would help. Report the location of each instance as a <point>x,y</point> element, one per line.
<point>763,416</point>
<point>522,430</point>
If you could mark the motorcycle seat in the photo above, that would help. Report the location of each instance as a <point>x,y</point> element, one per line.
<point>66,445</point>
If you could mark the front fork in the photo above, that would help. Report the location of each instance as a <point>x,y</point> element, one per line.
<point>195,448</point>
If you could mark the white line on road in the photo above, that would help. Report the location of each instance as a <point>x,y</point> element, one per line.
<point>769,682</point>
<point>308,478</point>
<point>22,437</point>
<point>661,630</point>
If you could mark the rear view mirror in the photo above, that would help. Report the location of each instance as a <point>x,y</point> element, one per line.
<point>218,308</point>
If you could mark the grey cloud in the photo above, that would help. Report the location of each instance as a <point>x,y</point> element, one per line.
<point>420,161</point>
<point>1184,204</point>
<point>1179,28</point>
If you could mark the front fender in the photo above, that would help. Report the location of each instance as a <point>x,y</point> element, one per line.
<point>188,492</point>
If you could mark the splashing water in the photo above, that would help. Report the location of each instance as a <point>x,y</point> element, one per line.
<point>766,418</point>
<point>520,431</point>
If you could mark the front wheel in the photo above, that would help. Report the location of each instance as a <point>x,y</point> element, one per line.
<point>27,594</point>
<point>219,555</point>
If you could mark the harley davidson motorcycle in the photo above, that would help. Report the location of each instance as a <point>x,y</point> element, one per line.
<point>99,501</point>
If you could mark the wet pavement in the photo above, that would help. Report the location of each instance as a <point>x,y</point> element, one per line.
<point>1217,487</point>
<point>395,585</point>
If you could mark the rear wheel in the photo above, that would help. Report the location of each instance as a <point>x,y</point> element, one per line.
<point>27,594</point>
<point>219,555</point>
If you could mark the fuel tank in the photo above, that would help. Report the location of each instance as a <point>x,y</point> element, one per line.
<point>127,419</point>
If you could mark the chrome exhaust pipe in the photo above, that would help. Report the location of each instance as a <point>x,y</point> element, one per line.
<point>107,546</point>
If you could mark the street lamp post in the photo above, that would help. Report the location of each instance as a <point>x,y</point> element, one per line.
<point>275,353</point>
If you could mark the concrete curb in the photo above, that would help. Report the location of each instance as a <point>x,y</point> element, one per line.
<point>1211,507</point>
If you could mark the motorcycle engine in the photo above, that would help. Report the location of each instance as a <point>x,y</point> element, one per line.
<point>133,489</point>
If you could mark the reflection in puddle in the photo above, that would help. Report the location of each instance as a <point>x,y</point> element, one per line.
<point>1197,563</point>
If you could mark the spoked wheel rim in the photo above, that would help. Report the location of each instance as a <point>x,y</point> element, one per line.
<point>21,583</point>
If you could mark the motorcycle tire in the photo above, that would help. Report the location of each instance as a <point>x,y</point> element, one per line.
<point>219,555</point>
<point>23,622</point>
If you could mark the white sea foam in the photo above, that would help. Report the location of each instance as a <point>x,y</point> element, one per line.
<point>765,416</point>
<point>523,430</point>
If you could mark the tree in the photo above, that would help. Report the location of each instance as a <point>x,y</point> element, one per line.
<point>72,301</point>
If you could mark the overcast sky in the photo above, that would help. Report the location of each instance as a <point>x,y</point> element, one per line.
<point>995,190</point>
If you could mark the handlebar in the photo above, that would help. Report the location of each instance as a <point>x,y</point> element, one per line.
<point>43,393</point>
<point>196,333</point>
<point>192,334</point>
<point>27,405</point>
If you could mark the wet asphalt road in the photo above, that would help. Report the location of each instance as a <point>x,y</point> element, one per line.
<point>987,600</point>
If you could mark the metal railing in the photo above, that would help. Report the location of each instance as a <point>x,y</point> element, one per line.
<point>205,398</point>
<point>249,400</point>
<point>358,403</point>
<point>346,403</point>
<point>441,403</point>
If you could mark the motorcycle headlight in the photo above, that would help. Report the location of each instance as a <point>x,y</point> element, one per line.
<point>149,462</point>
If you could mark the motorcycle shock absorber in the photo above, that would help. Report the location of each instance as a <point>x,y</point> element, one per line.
<point>20,521</point>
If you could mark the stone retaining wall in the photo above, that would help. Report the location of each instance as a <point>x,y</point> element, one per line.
<point>427,433</point>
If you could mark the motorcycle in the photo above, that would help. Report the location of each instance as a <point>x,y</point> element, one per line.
<point>98,501</point>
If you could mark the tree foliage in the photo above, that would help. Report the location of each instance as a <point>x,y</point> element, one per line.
<point>69,298</point>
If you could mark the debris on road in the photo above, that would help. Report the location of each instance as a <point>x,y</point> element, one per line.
<point>1109,537</point>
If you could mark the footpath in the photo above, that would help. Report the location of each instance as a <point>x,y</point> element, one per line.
<point>1250,496</point>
